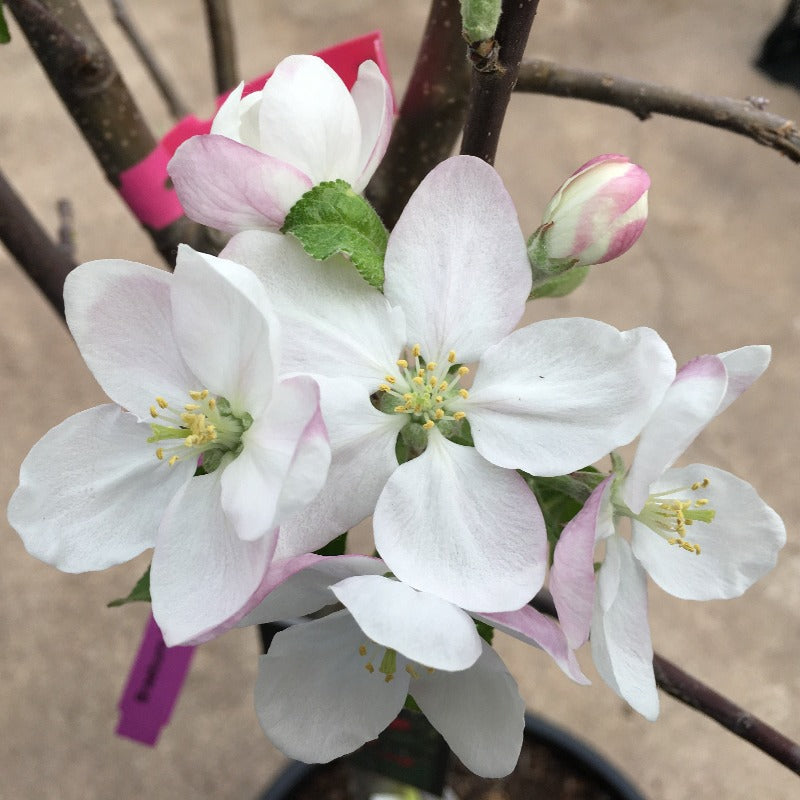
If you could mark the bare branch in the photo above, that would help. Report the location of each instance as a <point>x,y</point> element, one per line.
<point>431,114</point>
<point>682,686</point>
<point>174,103</point>
<point>493,82</point>
<point>66,228</point>
<point>45,262</point>
<point>745,117</point>
<point>223,44</point>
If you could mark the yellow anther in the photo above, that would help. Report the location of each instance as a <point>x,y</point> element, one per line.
<point>463,370</point>
<point>429,670</point>
<point>459,415</point>
<point>389,678</point>
<point>443,386</point>
<point>400,409</point>
<point>418,380</point>
<point>695,486</point>
<point>464,393</point>
<point>384,387</point>
<point>153,412</point>
<point>697,549</point>
<point>428,425</point>
<point>369,668</point>
<point>673,540</point>
<point>411,671</point>
<point>439,398</point>
<point>173,461</point>
<point>192,407</point>
<point>160,453</point>
<point>420,372</point>
<point>703,502</point>
<point>705,482</point>
<point>199,394</point>
<point>402,363</point>
<point>431,366</point>
<point>451,356</point>
<point>212,403</point>
<point>687,546</point>
<point>191,441</point>
<point>408,397</point>
<point>439,413</point>
<point>161,402</point>
<point>432,381</point>
<point>362,650</point>
<point>416,350</point>
<point>391,379</point>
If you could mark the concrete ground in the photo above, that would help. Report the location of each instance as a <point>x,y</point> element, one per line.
<point>715,269</point>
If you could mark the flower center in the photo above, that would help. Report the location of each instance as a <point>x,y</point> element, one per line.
<point>670,517</point>
<point>426,391</point>
<point>204,430</point>
<point>387,664</point>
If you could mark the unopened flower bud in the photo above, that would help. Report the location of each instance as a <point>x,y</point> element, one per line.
<point>596,215</point>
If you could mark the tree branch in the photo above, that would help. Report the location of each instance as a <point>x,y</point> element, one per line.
<point>223,44</point>
<point>174,103</point>
<point>83,73</point>
<point>679,684</point>
<point>745,117</point>
<point>45,262</point>
<point>431,114</point>
<point>492,83</point>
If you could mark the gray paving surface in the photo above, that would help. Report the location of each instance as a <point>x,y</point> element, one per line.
<point>715,269</point>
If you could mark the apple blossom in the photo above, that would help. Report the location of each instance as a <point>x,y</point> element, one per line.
<point>699,532</point>
<point>454,519</point>
<point>191,364</point>
<point>596,215</point>
<point>328,686</point>
<point>267,149</point>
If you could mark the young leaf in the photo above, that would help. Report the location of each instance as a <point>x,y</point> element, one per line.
<point>332,219</point>
<point>139,594</point>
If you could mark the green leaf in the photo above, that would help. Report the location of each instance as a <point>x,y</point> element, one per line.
<point>485,631</point>
<point>5,36</point>
<point>336,547</point>
<point>560,285</point>
<point>332,219</point>
<point>139,594</point>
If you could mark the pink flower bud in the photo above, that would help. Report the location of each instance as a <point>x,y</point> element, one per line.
<point>596,215</point>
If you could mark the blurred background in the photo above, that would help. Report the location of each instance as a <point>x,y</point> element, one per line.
<point>715,269</point>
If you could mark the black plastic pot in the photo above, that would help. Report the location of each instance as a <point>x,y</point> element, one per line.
<point>585,762</point>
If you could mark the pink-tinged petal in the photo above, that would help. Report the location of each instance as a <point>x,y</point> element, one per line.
<point>92,492</point>
<point>284,462</point>
<point>301,585</point>
<point>362,459</point>
<point>225,329</point>
<point>452,524</point>
<point>203,577</point>
<point>461,275</point>
<point>688,406</point>
<point>334,323</point>
<point>572,576</point>
<point>743,367</point>
<point>478,711</point>
<point>739,546</point>
<point>530,626</point>
<point>314,698</point>
<point>621,646</point>
<point>424,628</point>
<point>562,393</point>
<point>119,313</point>
<point>308,119</point>
<point>228,185</point>
<point>372,96</point>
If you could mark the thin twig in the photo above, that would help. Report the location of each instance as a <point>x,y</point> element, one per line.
<point>431,114</point>
<point>492,83</point>
<point>223,44</point>
<point>745,117</point>
<point>176,106</point>
<point>66,228</point>
<point>682,686</point>
<point>46,264</point>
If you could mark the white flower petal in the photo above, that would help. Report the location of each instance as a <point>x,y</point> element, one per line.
<point>621,645</point>
<point>308,119</point>
<point>572,578</point>
<point>334,323</point>
<point>203,578</point>
<point>119,313</point>
<point>372,96</point>
<point>452,524</point>
<point>315,700</point>
<point>739,546</point>
<point>362,441</point>
<point>460,274</point>
<point>225,329</point>
<point>478,711</point>
<point>421,626</point>
<point>234,118</point>
<point>743,366</point>
<point>92,492</point>
<point>301,585</point>
<point>284,462</point>
<point>562,393</point>
<point>688,406</point>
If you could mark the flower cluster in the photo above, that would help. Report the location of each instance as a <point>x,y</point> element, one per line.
<point>267,400</point>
